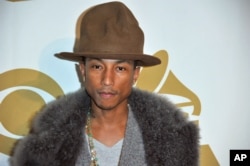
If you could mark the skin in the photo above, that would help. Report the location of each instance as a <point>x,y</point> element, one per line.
<point>109,83</point>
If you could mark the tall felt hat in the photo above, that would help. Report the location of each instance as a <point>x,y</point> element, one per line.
<point>110,31</point>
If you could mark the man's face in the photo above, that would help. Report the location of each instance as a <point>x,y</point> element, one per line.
<point>109,82</point>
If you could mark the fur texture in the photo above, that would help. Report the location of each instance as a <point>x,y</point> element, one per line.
<point>56,137</point>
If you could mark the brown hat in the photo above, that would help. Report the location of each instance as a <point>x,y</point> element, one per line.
<point>110,31</point>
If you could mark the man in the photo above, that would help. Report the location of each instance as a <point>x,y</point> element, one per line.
<point>108,122</point>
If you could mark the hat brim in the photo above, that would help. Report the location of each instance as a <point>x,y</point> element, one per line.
<point>142,59</point>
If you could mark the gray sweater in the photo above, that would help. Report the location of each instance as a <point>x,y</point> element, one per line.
<point>56,135</point>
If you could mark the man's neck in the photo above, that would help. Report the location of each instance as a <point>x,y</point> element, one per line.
<point>109,126</point>
<point>112,116</point>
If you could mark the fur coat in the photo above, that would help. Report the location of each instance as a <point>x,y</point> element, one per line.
<point>56,136</point>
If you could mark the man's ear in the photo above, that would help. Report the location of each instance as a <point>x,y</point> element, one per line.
<point>82,68</point>
<point>136,73</point>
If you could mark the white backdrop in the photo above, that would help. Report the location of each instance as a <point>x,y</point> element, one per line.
<point>207,42</point>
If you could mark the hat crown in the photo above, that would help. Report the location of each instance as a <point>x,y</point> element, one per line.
<point>110,28</point>
<point>109,31</point>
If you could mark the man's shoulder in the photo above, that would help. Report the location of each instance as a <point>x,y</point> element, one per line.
<point>63,107</point>
<point>158,107</point>
<point>64,102</point>
<point>151,99</point>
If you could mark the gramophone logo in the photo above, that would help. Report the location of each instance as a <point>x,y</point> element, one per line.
<point>24,100</point>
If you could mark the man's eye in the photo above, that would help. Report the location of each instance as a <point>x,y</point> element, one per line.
<point>97,67</point>
<point>119,68</point>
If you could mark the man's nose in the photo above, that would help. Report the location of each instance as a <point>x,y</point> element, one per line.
<point>108,77</point>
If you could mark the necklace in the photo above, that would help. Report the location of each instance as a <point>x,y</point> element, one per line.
<point>91,142</point>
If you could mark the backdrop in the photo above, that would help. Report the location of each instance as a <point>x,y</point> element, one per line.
<point>204,46</point>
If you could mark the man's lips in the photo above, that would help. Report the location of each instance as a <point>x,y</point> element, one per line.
<point>107,94</point>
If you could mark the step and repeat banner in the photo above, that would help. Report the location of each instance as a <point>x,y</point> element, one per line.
<point>203,45</point>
